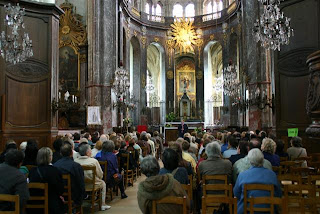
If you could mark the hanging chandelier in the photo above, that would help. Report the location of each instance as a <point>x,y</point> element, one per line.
<point>230,80</point>
<point>15,47</point>
<point>273,28</point>
<point>121,83</point>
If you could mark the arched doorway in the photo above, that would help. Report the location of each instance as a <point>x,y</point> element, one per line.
<point>156,82</point>
<point>135,78</point>
<point>213,83</point>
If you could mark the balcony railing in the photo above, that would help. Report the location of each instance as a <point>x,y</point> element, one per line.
<point>212,16</point>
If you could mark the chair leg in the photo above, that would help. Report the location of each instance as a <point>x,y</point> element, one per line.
<point>92,202</point>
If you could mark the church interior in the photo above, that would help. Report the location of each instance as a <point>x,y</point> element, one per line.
<point>233,73</point>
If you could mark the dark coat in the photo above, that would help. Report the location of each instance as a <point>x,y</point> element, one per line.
<point>51,175</point>
<point>66,165</point>
<point>182,132</point>
<point>13,182</point>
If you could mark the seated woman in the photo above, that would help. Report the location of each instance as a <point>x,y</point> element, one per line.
<point>113,175</point>
<point>280,149</point>
<point>182,163</point>
<point>268,148</point>
<point>46,173</point>
<point>170,159</point>
<point>296,150</point>
<point>31,152</point>
<point>97,148</point>
<point>156,186</point>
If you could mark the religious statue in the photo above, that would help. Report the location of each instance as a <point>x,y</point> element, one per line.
<point>186,83</point>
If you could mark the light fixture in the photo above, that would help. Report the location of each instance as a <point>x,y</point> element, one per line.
<point>183,35</point>
<point>230,80</point>
<point>121,83</point>
<point>273,28</point>
<point>15,46</point>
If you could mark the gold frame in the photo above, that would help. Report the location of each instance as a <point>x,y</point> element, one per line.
<point>186,68</point>
<point>72,33</point>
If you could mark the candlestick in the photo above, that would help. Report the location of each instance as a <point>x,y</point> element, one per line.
<point>59,95</point>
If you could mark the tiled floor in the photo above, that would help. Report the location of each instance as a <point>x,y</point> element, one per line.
<point>128,205</point>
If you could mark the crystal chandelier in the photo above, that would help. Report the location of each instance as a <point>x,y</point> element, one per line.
<point>273,28</point>
<point>230,80</point>
<point>121,83</point>
<point>15,48</point>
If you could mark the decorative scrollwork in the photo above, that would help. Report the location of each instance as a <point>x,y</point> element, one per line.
<point>72,32</point>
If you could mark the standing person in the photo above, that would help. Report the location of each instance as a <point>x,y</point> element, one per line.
<point>46,173</point>
<point>182,128</point>
<point>14,182</point>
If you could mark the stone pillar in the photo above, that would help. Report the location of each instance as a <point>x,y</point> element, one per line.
<point>313,102</point>
<point>252,57</point>
<point>102,54</point>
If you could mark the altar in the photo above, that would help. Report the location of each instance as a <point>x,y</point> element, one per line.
<point>171,133</point>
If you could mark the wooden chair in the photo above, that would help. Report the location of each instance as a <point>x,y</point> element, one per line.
<point>135,173</point>
<point>38,199</point>
<point>68,195</point>
<point>316,166</point>
<point>171,200</point>
<point>315,157</point>
<point>267,200</point>
<point>315,181</point>
<point>188,189</point>
<point>303,172</point>
<point>11,198</point>
<point>91,189</point>
<point>263,187</point>
<point>104,166</point>
<point>219,179</point>
<point>287,165</point>
<point>300,198</point>
<point>289,179</point>
<point>308,159</point>
<point>283,159</point>
<point>128,173</point>
<point>210,200</point>
<point>277,169</point>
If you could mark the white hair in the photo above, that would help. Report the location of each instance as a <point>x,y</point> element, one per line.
<point>148,136</point>
<point>213,149</point>
<point>83,140</point>
<point>23,146</point>
<point>256,157</point>
<point>103,138</point>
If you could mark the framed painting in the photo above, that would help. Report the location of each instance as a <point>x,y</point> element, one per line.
<point>186,80</point>
<point>93,115</point>
<point>69,69</point>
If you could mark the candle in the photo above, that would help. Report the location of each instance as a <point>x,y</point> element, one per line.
<point>72,98</point>
<point>59,95</point>
<point>75,99</point>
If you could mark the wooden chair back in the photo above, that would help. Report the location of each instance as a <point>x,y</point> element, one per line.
<point>315,157</point>
<point>287,165</point>
<point>104,166</point>
<point>316,166</point>
<point>216,200</point>
<point>308,159</point>
<point>171,200</point>
<point>188,189</point>
<point>300,198</point>
<point>219,179</point>
<point>267,200</point>
<point>251,187</point>
<point>67,192</point>
<point>283,159</point>
<point>93,191</point>
<point>43,198</point>
<point>277,170</point>
<point>11,198</point>
<point>303,171</point>
<point>315,181</point>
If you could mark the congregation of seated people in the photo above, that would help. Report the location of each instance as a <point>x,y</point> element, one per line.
<point>236,159</point>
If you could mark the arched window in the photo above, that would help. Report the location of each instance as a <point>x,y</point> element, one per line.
<point>190,10</point>
<point>220,6</point>
<point>177,10</point>
<point>158,10</point>
<point>208,8</point>
<point>147,8</point>
<point>215,7</point>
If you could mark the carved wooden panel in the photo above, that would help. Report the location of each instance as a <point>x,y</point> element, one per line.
<point>26,104</point>
<point>291,70</point>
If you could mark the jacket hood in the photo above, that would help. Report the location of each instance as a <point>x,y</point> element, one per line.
<point>156,187</point>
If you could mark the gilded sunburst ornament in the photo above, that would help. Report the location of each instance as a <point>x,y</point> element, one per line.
<point>184,35</point>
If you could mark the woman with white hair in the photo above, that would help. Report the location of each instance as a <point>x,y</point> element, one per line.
<point>268,148</point>
<point>257,174</point>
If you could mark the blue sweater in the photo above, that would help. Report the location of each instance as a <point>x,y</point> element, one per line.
<point>255,175</point>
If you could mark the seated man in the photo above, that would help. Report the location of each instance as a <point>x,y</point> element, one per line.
<point>257,174</point>
<point>232,147</point>
<point>215,165</point>
<point>66,165</point>
<point>12,181</point>
<point>156,186</point>
<point>86,160</point>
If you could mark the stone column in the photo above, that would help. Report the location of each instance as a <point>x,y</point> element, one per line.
<point>102,54</point>
<point>252,57</point>
<point>313,102</point>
